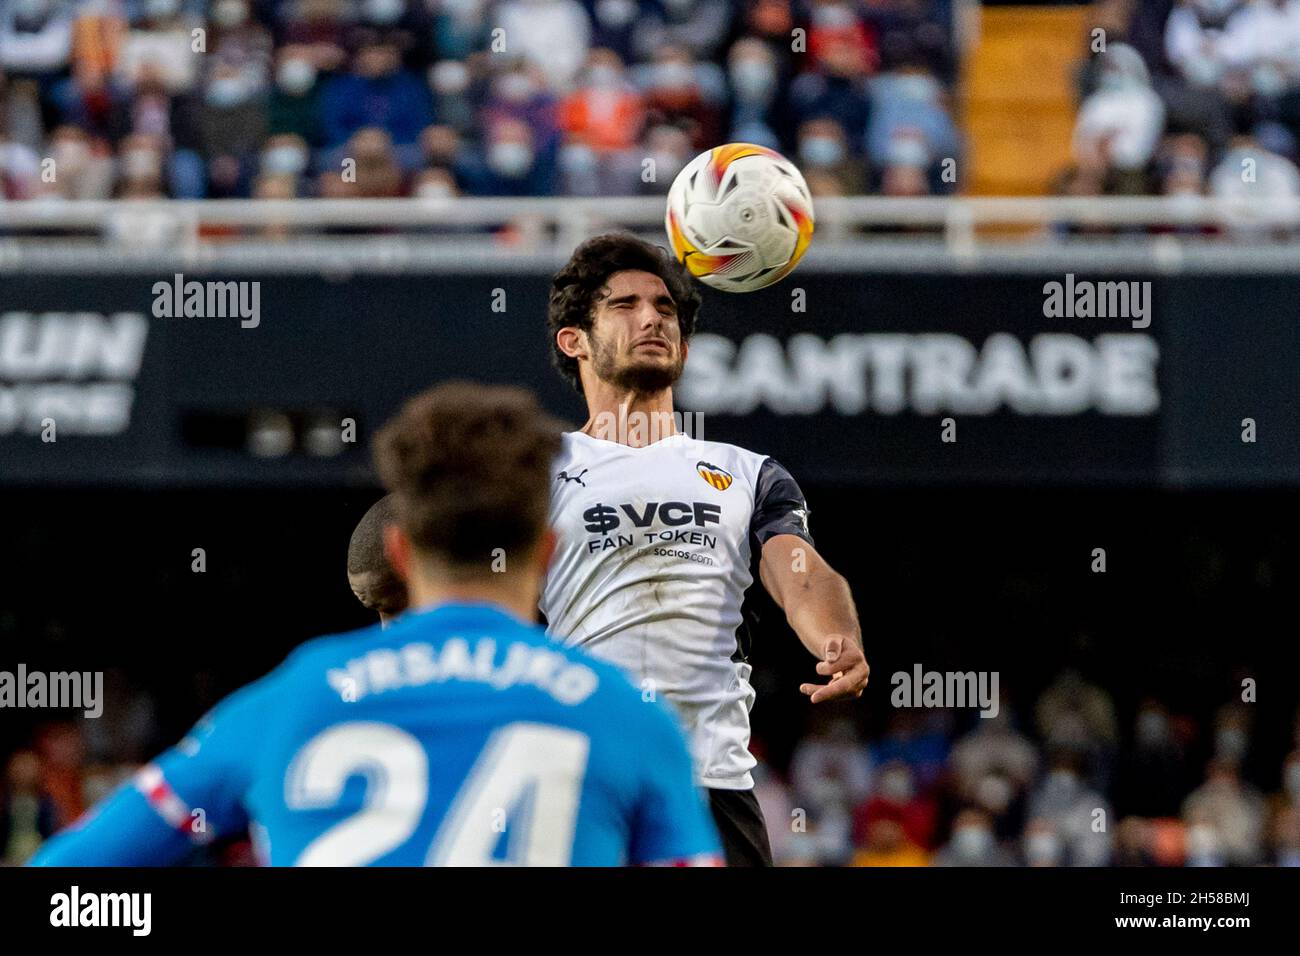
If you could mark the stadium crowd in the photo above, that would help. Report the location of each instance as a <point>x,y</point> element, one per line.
<point>276,98</point>
<point>1064,786</point>
<point>1189,98</point>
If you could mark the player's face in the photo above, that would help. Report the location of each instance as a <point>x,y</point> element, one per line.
<point>635,340</point>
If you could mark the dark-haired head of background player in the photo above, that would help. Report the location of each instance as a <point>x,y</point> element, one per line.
<point>468,469</point>
<point>372,579</point>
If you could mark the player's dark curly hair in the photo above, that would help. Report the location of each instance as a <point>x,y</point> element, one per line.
<point>469,468</point>
<point>577,288</point>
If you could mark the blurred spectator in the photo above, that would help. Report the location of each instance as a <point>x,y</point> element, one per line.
<point>520,93</point>
<point>294,106</point>
<point>831,763</point>
<point>20,166</point>
<point>554,35</point>
<point>1042,844</point>
<point>82,170</point>
<point>1225,818</point>
<point>1081,817</point>
<point>886,843</point>
<point>605,111</point>
<point>973,843</point>
<point>1156,772</point>
<point>896,800</point>
<point>510,164</point>
<point>35,37</point>
<point>454,98</point>
<point>773,798</point>
<point>161,40</point>
<point>823,146</point>
<point>1077,716</point>
<point>26,816</point>
<point>1286,837</point>
<point>837,88</point>
<point>918,739</point>
<point>376,93</point>
<point>994,746</point>
<point>698,25</point>
<point>913,31</point>
<point>686,93</point>
<point>1120,124</point>
<point>910,126</point>
<point>670,149</point>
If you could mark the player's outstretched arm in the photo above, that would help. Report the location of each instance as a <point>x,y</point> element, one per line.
<point>819,606</point>
<point>183,799</point>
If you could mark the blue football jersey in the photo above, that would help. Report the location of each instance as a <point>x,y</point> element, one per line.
<point>458,736</point>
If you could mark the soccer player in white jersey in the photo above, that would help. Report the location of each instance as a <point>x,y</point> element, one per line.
<point>659,531</point>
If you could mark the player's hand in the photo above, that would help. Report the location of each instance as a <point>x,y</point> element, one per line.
<point>846,665</point>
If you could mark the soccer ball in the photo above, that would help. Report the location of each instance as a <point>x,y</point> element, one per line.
<point>739,217</point>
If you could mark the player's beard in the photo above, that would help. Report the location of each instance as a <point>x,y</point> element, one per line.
<point>640,377</point>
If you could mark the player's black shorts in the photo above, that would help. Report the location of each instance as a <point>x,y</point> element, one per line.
<point>741,827</point>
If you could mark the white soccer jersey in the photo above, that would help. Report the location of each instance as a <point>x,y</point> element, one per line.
<point>653,561</point>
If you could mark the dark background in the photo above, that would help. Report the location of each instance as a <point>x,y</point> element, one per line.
<point>1197,594</point>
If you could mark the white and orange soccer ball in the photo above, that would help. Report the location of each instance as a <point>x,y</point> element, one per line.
<point>740,217</point>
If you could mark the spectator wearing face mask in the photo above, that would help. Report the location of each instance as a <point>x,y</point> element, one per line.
<point>895,798</point>
<point>1233,810</point>
<point>682,92</point>
<point>824,146</point>
<point>753,75</point>
<point>910,125</point>
<point>1041,845</point>
<point>1119,126</point>
<point>555,35</point>
<point>295,100</point>
<point>231,123</point>
<point>605,111</point>
<point>285,155</point>
<point>510,164</point>
<point>973,843</point>
<point>377,92</point>
<point>1064,799</point>
<point>454,97</point>
<point>837,87</point>
<point>161,39</point>
<point>520,93</point>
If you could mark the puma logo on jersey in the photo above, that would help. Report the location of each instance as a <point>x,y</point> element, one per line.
<point>565,476</point>
<point>719,478</point>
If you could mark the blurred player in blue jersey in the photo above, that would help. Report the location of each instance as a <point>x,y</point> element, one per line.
<point>459,735</point>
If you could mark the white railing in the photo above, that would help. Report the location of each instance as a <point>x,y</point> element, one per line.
<point>547,221</point>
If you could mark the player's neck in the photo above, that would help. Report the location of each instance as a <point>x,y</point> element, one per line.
<point>519,602</point>
<point>629,418</point>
